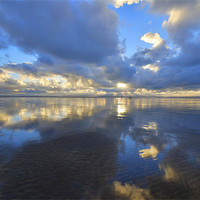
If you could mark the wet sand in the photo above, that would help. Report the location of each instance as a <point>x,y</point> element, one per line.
<point>76,166</point>
<point>100,149</point>
<point>83,166</point>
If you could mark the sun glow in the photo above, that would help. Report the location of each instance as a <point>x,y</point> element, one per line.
<point>121,85</point>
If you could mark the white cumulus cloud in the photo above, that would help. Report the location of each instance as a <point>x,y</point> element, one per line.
<point>152,38</point>
<point>120,3</point>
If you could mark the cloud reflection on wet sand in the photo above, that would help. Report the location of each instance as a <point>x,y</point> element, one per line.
<point>100,148</point>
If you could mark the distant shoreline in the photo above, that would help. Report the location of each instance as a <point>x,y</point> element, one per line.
<point>82,97</point>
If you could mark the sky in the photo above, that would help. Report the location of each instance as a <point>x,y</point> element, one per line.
<point>100,47</point>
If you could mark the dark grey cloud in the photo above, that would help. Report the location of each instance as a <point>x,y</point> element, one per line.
<point>188,55</point>
<point>119,69</point>
<point>22,67</point>
<point>3,41</point>
<point>169,77</point>
<point>145,56</point>
<point>46,59</point>
<point>72,30</point>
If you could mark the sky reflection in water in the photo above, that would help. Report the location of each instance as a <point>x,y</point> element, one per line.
<point>100,148</point>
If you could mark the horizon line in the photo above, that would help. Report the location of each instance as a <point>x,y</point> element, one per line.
<point>91,96</point>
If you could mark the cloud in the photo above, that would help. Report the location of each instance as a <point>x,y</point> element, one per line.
<point>79,41</point>
<point>71,30</point>
<point>3,42</point>
<point>119,69</point>
<point>179,65</point>
<point>182,26</point>
<point>69,77</point>
<point>151,68</point>
<point>177,78</point>
<point>78,38</point>
<point>7,83</point>
<point>152,38</point>
<point>24,82</point>
<point>161,67</point>
<point>152,56</point>
<point>120,3</point>
<point>24,67</point>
